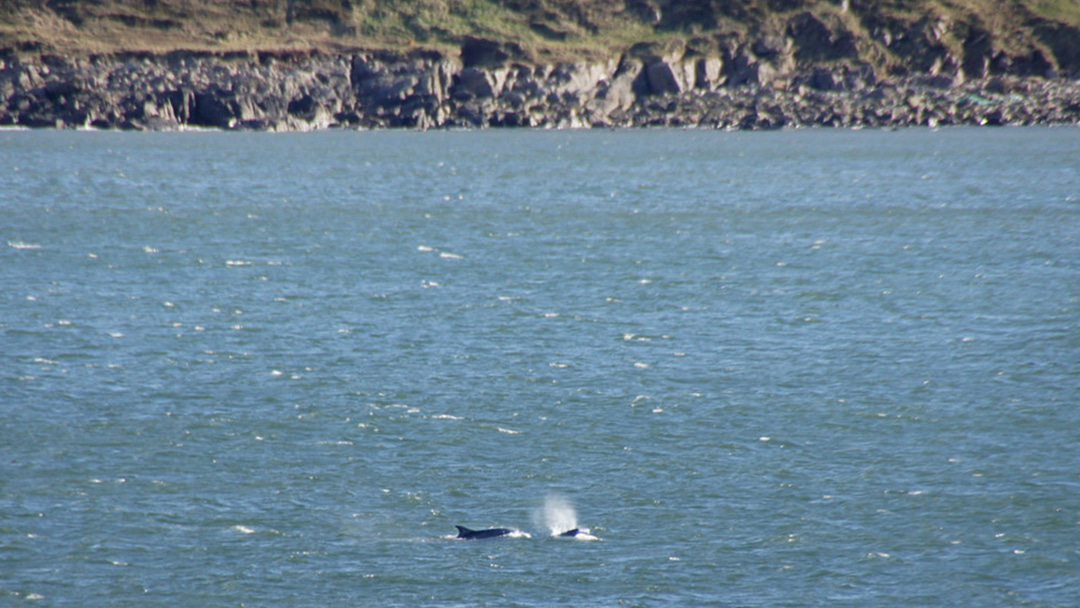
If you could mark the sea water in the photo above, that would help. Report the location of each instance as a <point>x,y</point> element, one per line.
<point>799,368</point>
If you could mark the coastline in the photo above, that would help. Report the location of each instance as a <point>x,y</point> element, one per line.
<point>303,91</point>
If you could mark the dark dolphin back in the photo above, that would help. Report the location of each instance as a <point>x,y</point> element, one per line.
<point>464,532</point>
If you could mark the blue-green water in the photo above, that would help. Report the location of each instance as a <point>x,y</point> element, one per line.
<point>767,369</point>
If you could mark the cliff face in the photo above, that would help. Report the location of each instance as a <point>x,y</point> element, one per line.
<point>642,62</point>
<point>304,91</point>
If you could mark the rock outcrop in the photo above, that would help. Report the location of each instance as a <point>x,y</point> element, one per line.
<point>812,71</point>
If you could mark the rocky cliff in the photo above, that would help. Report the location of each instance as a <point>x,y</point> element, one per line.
<point>785,66</point>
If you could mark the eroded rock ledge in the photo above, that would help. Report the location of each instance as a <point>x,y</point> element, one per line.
<point>760,86</point>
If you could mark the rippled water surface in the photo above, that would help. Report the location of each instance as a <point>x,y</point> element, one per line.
<point>766,369</point>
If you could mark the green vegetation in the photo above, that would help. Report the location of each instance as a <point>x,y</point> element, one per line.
<point>1064,11</point>
<point>535,29</point>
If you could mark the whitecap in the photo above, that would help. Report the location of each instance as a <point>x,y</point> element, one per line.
<point>243,529</point>
<point>507,431</point>
<point>450,256</point>
<point>585,534</point>
<point>23,245</point>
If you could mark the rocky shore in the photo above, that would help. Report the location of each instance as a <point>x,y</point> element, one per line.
<point>759,86</point>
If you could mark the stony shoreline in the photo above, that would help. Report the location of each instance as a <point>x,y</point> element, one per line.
<point>306,91</point>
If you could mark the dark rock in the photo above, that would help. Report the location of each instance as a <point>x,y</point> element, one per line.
<point>823,79</point>
<point>213,109</point>
<point>1064,42</point>
<point>303,106</point>
<point>471,83</point>
<point>763,88</point>
<point>709,73</point>
<point>661,79</point>
<point>978,48</point>
<point>940,81</point>
<point>814,40</point>
<point>771,46</point>
<point>744,70</point>
<point>481,52</point>
<point>1034,64</point>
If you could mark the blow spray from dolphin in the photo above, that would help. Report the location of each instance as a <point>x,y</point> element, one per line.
<point>560,518</point>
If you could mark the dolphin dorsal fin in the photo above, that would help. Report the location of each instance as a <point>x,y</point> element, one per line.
<point>462,530</point>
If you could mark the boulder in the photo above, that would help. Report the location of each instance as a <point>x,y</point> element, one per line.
<point>618,94</point>
<point>709,73</point>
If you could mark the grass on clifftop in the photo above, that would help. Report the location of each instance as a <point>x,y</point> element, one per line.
<point>545,30</point>
<point>75,27</point>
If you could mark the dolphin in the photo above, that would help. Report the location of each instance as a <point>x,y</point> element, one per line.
<point>577,533</point>
<point>466,533</point>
